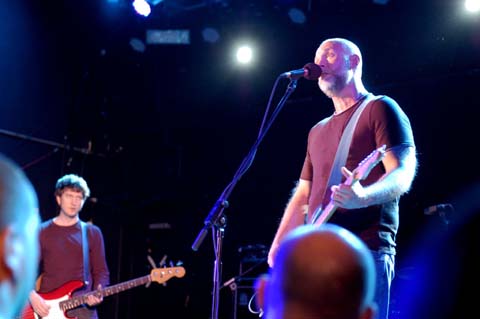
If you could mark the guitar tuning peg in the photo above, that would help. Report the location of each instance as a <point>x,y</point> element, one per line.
<point>163,261</point>
<point>179,263</point>
<point>151,261</point>
<point>170,263</point>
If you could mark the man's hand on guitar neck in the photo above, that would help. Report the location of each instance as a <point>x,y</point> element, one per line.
<point>349,195</point>
<point>39,305</point>
<point>95,298</point>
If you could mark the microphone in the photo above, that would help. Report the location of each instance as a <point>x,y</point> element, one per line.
<point>310,71</point>
<point>444,211</point>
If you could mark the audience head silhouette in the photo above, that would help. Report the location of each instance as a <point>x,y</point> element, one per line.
<point>321,272</point>
<point>19,226</point>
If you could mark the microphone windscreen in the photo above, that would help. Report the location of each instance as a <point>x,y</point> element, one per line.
<point>313,71</point>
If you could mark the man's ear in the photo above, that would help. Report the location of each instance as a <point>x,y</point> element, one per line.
<point>260,285</point>
<point>7,253</point>
<point>369,312</point>
<point>57,199</point>
<point>353,61</point>
<point>3,266</point>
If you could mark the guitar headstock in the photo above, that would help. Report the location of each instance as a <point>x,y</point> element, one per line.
<point>163,274</point>
<point>365,166</point>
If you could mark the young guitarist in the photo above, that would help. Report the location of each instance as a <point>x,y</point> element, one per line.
<point>62,255</point>
<point>370,208</point>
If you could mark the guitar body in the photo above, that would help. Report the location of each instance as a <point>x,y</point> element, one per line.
<point>53,299</point>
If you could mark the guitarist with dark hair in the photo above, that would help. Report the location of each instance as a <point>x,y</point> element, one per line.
<point>62,252</point>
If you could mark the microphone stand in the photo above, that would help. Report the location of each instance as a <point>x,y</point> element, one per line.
<point>216,219</point>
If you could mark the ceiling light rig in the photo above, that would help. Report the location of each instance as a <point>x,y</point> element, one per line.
<point>144,7</point>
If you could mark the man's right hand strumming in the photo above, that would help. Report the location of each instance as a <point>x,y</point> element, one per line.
<point>39,305</point>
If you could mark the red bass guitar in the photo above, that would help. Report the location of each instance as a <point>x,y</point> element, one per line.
<point>61,299</point>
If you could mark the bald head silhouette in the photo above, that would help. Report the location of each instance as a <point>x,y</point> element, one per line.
<point>321,272</point>
<point>19,226</point>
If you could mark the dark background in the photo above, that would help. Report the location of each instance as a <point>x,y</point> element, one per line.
<point>159,133</point>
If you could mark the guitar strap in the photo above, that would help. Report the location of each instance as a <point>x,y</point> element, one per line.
<point>85,251</point>
<point>342,151</point>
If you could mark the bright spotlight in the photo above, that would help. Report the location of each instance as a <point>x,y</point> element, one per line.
<point>244,54</point>
<point>142,7</point>
<point>472,5</point>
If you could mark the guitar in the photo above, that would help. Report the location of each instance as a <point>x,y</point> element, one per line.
<point>322,215</point>
<point>61,299</point>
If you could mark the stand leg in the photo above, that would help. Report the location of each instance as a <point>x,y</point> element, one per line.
<point>217,271</point>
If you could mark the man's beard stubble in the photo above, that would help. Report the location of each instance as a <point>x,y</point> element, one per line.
<point>331,89</point>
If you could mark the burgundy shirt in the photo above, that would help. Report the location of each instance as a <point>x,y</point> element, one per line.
<point>381,122</point>
<point>61,260</point>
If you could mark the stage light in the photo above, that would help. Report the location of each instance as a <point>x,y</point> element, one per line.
<point>210,35</point>
<point>472,5</point>
<point>137,45</point>
<point>142,7</point>
<point>382,2</point>
<point>297,16</point>
<point>168,36</point>
<point>244,54</point>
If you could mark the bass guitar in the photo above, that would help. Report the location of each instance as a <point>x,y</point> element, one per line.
<point>61,299</point>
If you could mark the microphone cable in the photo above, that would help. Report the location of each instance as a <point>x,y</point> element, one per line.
<point>258,312</point>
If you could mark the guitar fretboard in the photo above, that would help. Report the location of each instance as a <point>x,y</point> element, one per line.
<point>108,291</point>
